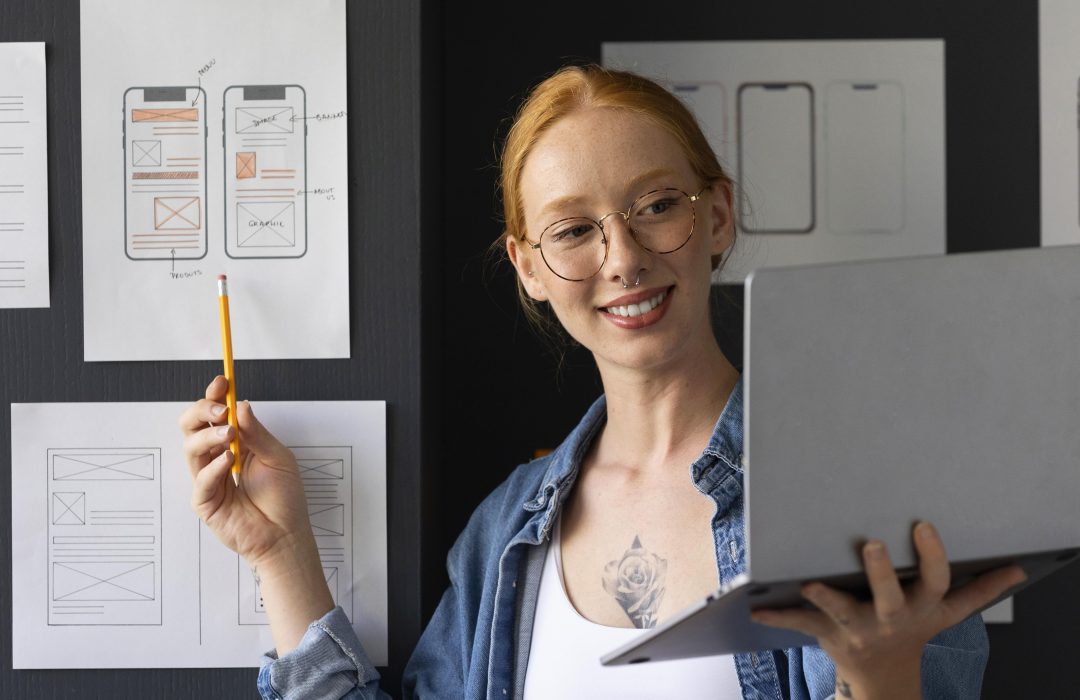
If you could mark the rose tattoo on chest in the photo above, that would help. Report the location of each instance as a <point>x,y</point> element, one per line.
<point>637,582</point>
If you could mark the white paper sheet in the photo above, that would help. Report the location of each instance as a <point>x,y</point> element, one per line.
<point>24,185</point>
<point>838,147</point>
<point>110,567</point>
<point>1059,119</point>
<point>214,141</point>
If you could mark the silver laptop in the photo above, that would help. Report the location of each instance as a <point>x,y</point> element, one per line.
<point>878,394</point>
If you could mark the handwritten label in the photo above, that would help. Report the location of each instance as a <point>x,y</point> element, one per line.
<point>206,68</point>
<point>185,275</point>
<point>321,117</point>
<point>327,192</point>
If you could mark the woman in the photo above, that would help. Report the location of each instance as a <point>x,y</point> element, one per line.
<point>617,212</point>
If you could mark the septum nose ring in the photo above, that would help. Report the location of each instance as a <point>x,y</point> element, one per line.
<point>636,282</point>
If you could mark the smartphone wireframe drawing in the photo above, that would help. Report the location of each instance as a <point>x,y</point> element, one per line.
<point>776,157</point>
<point>265,141</point>
<point>709,105</point>
<point>165,173</point>
<point>864,156</point>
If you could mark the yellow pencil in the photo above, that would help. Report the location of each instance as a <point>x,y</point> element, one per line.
<point>230,374</point>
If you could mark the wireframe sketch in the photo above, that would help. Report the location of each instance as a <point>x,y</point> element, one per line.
<point>327,476</point>
<point>104,536</point>
<point>265,171</point>
<point>864,156</point>
<point>165,173</point>
<point>776,157</point>
<point>706,99</point>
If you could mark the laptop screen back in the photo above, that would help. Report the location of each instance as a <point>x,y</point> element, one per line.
<point>882,393</point>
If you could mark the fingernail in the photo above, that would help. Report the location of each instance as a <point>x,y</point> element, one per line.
<point>924,531</point>
<point>874,549</point>
<point>217,410</point>
<point>223,431</point>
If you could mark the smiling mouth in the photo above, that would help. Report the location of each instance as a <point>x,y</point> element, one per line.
<point>639,309</point>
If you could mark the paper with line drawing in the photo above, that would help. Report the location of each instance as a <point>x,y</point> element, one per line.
<point>112,570</point>
<point>214,141</point>
<point>24,212</point>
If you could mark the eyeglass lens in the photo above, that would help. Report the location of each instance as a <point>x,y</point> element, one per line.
<point>661,221</point>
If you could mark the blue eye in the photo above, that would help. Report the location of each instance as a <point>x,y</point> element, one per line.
<point>658,207</point>
<point>572,233</point>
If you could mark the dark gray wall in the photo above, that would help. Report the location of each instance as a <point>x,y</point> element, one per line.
<point>471,392</point>
<point>502,395</point>
<point>41,349</point>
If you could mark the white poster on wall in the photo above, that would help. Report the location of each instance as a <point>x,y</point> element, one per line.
<point>837,147</point>
<point>1059,117</point>
<point>111,569</point>
<point>24,177</point>
<point>214,141</point>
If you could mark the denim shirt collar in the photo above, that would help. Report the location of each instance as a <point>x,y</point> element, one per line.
<point>721,457</point>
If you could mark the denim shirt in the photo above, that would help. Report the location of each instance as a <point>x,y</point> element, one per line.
<point>476,645</point>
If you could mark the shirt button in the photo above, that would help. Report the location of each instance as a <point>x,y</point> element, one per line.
<point>504,691</point>
<point>514,583</point>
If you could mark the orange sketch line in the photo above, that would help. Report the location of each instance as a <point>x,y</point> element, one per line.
<point>164,115</point>
<point>279,177</point>
<point>171,175</point>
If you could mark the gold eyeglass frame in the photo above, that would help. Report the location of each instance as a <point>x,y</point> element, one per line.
<point>626,218</point>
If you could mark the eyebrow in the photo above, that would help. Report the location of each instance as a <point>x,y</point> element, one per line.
<point>572,199</point>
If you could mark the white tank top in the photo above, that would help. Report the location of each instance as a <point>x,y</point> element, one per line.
<point>564,656</point>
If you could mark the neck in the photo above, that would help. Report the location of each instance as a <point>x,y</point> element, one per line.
<point>664,414</point>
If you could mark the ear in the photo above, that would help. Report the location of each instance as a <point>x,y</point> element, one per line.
<point>526,261</point>
<point>722,233</point>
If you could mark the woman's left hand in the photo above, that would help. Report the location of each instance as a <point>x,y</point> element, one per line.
<point>877,647</point>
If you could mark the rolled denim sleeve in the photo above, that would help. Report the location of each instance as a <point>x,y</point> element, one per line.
<point>328,663</point>
<point>954,661</point>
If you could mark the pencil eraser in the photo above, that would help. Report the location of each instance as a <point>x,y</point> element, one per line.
<point>221,277</point>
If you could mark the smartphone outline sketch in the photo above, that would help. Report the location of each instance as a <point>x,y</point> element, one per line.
<point>715,129</point>
<point>241,102</point>
<point>874,132</point>
<point>745,217</point>
<point>161,194</point>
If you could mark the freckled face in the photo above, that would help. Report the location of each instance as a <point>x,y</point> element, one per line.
<point>596,161</point>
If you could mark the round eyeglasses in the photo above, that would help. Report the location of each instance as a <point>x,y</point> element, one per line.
<point>661,221</point>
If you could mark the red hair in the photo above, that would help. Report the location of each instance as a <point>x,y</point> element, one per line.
<point>573,88</point>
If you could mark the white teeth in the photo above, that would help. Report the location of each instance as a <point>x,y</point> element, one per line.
<point>638,309</point>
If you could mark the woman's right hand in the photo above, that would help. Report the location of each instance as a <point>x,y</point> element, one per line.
<point>268,511</point>
<point>264,519</point>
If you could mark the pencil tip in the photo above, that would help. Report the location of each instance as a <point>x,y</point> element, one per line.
<point>236,478</point>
